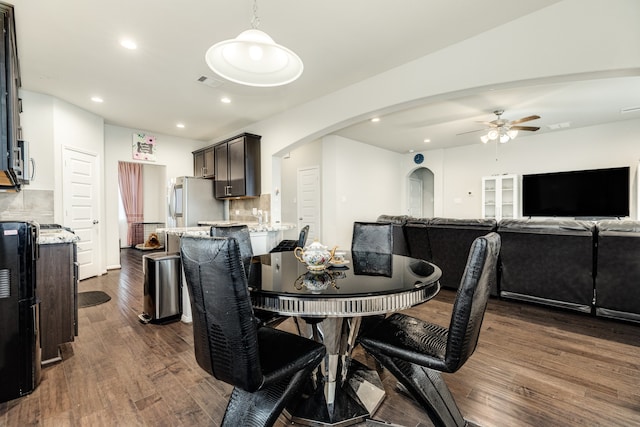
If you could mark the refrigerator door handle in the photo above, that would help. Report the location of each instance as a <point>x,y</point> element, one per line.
<point>172,202</point>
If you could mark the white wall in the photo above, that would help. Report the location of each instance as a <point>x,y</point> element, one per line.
<point>155,194</point>
<point>37,128</point>
<point>50,125</point>
<point>609,145</point>
<point>172,152</point>
<point>359,182</point>
<point>82,130</point>
<point>305,156</point>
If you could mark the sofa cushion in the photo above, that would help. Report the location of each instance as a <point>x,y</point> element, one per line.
<point>618,270</point>
<point>450,240</point>
<point>548,261</point>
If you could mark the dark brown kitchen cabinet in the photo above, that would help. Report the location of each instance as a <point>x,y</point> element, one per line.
<point>57,290</point>
<point>10,105</point>
<point>237,167</point>
<point>203,163</point>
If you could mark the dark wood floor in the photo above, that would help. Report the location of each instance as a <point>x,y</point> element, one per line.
<point>533,366</point>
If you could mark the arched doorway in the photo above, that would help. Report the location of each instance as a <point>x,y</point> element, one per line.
<point>421,196</point>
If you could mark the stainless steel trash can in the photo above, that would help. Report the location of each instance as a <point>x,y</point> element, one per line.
<point>162,288</point>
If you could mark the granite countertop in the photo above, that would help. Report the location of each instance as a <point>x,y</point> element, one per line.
<point>204,226</point>
<point>59,235</point>
<point>254,227</point>
<point>186,231</point>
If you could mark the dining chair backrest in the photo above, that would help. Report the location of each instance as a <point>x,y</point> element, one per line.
<point>471,300</point>
<point>302,238</point>
<point>225,333</point>
<point>372,237</point>
<point>241,234</point>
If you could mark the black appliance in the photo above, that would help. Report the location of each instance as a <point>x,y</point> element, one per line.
<point>19,310</point>
<point>594,193</point>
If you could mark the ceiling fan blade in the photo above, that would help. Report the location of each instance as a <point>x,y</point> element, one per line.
<point>529,128</point>
<point>525,119</point>
<point>470,131</point>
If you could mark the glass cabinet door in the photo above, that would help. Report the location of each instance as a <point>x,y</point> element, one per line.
<point>489,185</point>
<point>500,197</point>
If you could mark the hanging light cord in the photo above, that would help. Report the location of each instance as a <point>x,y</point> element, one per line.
<point>255,21</point>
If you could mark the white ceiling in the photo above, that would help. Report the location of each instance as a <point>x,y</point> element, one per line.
<point>70,49</point>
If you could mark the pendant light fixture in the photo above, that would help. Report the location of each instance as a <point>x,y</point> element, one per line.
<point>254,59</point>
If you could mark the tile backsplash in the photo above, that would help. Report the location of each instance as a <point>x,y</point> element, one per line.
<point>27,205</point>
<point>242,209</point>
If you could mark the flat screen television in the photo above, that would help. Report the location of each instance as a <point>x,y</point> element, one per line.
<point>594,193</point>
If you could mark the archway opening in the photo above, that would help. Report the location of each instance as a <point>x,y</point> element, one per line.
<point>421,193</point>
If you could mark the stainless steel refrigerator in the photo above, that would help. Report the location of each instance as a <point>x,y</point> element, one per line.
<point>191,200</point>
<point>20,352</point>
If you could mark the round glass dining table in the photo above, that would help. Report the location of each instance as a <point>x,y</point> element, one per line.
<point>329,306</point>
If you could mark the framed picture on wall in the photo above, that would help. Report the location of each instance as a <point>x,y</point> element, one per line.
<point>144,147</point>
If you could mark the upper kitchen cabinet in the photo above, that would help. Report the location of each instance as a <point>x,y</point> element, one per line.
<point>203,163</point>
<point>237,167</point>
<point>10,162</point>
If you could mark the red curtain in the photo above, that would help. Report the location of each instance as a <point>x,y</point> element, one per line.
<point>130,180</point>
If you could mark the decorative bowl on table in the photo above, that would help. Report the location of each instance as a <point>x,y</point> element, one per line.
<point>316,256</point>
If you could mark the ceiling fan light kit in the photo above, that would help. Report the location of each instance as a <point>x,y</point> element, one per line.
<point>254,59</point>
<point>504,130</point>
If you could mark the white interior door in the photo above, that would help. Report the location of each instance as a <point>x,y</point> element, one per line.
<point>81,196</point>
<point>415,198</point>
<point>308,197</point>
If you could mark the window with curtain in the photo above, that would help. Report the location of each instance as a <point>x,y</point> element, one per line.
<point>130,181</point>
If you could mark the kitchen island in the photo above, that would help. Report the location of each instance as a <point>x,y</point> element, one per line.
<point>264,237</point>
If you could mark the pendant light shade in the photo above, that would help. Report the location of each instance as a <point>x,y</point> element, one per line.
<point>254,59</point>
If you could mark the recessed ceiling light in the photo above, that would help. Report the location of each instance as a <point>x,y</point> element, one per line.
<point>97,99</point>
<point>180,125</point>
<point>225,100</point>
<point>375,120</point>
<point>426,140</point>
<point>128,44</point>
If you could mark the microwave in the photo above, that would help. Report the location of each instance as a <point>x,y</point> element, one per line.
<point>23,165</point>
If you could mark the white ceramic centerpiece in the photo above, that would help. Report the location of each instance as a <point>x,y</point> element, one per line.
<point>316,256</point>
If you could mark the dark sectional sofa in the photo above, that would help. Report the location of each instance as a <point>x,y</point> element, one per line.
<point>591,267</point>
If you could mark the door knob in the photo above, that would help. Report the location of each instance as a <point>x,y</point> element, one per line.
<point>95,221</point>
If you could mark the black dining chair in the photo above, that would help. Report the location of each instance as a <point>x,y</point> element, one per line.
<point>266,366</point>
<point>372,237</point>
<point>290,245</point>
<point>242,235</point>
<point>372,248</point>
<point>416,351</point>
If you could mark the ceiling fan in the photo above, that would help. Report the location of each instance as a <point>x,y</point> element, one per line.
<point>505,130</point>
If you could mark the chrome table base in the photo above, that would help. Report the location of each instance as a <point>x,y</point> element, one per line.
<point>345,391</point>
